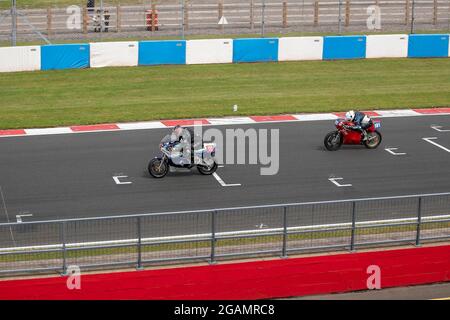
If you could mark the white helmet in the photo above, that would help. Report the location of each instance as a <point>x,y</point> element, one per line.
<point>349,116</point>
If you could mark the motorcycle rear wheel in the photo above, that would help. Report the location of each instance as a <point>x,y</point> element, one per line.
<point>158,168</point>
<point>373,140</point>
<point>333,141</point>
<point>207,170</point>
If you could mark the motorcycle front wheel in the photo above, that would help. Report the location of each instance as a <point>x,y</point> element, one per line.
<point>207,170</point>
<point>158,168</point>
<point>373,140</point>
<point>333,141</point>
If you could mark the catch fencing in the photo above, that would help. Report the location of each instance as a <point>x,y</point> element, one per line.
<point>74,20</point>
<point>214,235</point>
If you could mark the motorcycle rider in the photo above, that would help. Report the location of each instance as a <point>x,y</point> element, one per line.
<point>184,142</point>
<point>361,122</point>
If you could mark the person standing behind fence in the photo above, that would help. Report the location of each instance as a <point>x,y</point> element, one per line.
<point>90,5</point>
<point>97,19</point>
<point>106,16</point>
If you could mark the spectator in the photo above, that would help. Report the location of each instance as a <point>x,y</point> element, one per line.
<point>97,21</point>
<point>106,16</point>
<point>90,5</point>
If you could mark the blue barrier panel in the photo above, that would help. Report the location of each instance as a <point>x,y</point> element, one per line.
<point>255,50</point>
<point>64,56</point>
<point>428,45</point>
<point>344,47</point>
<point>162,52</point>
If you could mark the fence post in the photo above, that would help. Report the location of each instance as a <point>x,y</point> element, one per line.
<point>62,230</point>
<point>347,13</point>
<point>85,20</point>
<point>220,9</point>
<point>139,244</point>
<point>213,237</point>
<point>252,20</point>
<point>316,13</point>
<point>285,14</point>
<point>413,16</point>
<point>435,12</point>
<point>186,16</point>
<point>340,17</point>
<point>406,12</point>
<point>419,221</point>
<point>49,21</point>
<point>118,19</point>
<point>285,224</point>
<point>182,18</point>
<point>102,17</point>
<point>352,239</point>
<point>263,18</point>
<point>14,23</point>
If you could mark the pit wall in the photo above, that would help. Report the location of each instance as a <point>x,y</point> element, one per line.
<point>251,280</point>
<point>144,53</point>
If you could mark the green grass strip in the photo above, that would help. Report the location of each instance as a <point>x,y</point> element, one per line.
<point>67,97</point>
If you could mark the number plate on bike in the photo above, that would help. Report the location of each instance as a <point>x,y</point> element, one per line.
<point>377,125</point>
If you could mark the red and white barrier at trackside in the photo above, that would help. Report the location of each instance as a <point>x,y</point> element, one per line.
<point>218,121</point>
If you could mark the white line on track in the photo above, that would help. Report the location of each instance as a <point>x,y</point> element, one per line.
<point>338,184</point>
<point>20,216</point>
<point>391,151</point>
<point>436,144</point>
<point>222,183</point>
<point>439,129</point>
<point>117,181</point>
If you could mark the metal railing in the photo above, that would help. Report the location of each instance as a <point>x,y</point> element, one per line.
<point>141,19</point>
<point>211,235</point>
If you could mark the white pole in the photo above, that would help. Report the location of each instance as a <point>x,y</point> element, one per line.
<point>13,23</point>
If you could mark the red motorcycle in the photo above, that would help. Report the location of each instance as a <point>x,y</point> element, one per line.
<point>346,135</point>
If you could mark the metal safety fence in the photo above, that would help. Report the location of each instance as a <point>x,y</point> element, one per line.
<point>94,20</point>
<point>213,235</point>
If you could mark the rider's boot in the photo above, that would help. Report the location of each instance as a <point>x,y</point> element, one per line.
<point>364,134</point>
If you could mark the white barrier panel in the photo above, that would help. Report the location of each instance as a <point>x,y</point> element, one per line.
<point>387,46</point>
<point>300,48</point>
<point>209,51</point>
<point>20,59</point>
<point>114,54</point>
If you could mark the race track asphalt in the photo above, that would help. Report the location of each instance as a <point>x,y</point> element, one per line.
<point>71,175</point>
<point>437,291</point>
